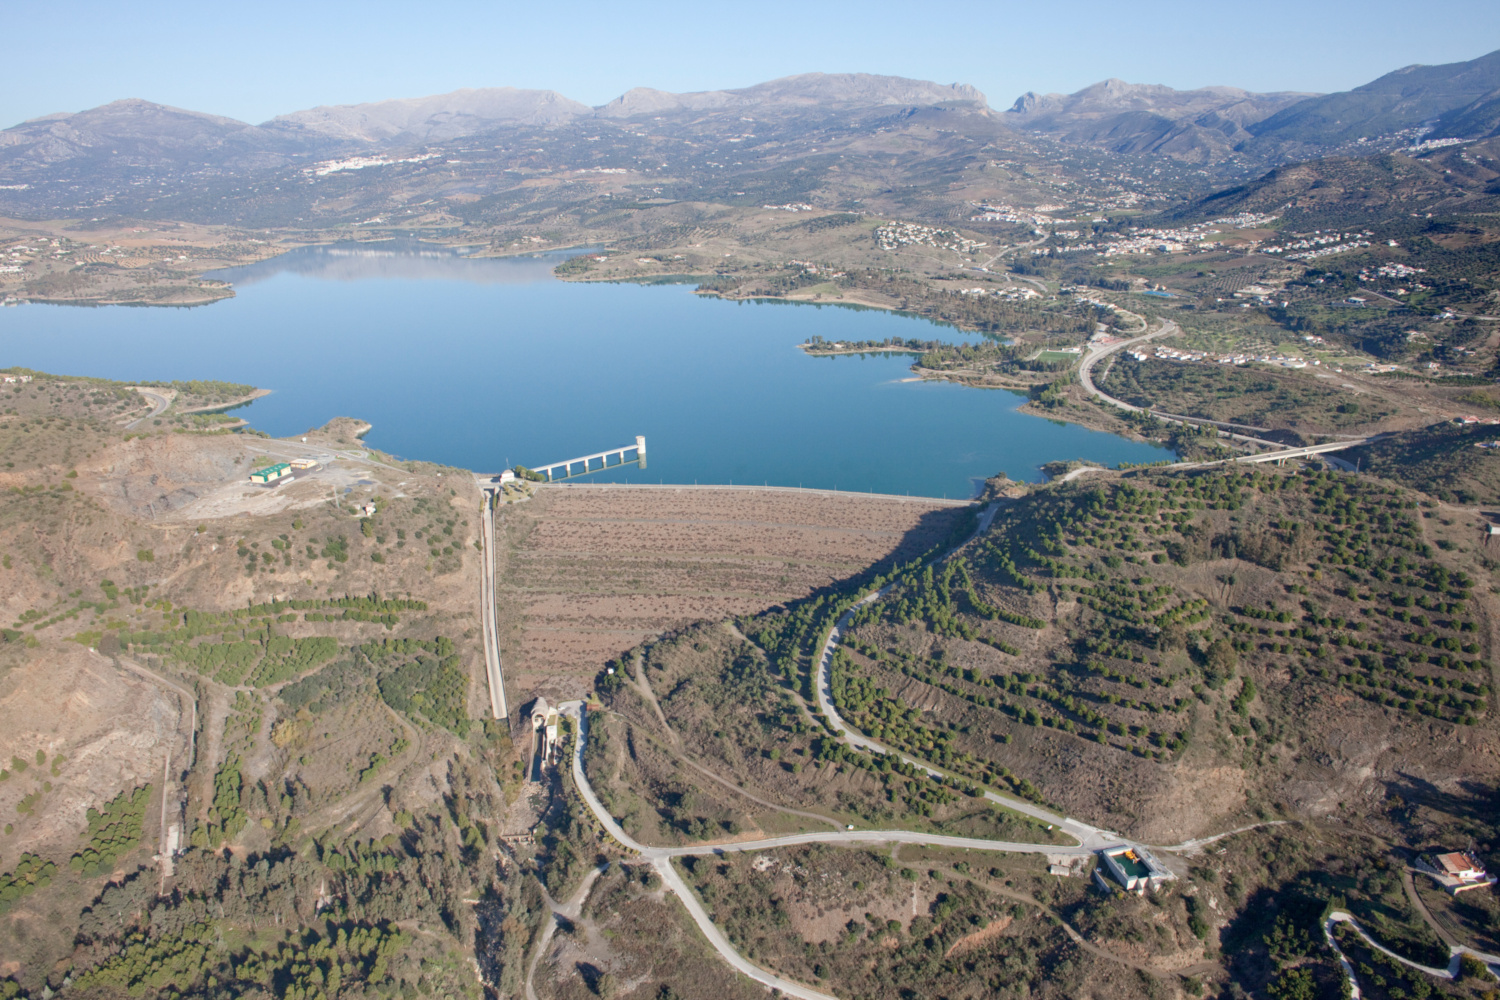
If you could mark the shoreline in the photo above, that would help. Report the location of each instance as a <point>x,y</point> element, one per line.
<point>220,407</point>
<point>909,498</point>
<point>858,350</point>
<point>179,303</point>
<point>971,379</point>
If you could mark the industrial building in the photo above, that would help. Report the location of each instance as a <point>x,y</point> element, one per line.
<point>271,473</point>
<point>1134,868</point>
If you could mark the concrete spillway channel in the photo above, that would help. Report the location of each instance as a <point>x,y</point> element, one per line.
<point>498,705</point>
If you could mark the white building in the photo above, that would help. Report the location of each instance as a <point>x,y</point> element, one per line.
<point>544,721</point>
<point>1135,868</point>
<point>1455,871</point>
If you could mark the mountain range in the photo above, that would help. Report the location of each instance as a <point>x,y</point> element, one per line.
<point>778,140</point>
<point>133,130</point>
<point>1456,100</point>
<point>1145,118</point>
<point>1440,96</point>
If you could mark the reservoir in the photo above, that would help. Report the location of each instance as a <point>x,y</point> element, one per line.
<point>486,363</point>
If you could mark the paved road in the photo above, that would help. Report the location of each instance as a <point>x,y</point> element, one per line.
<point>1086,377</point>
<point>1279,455</point>
<point>498,707</point>
<point>159,406</point>
<point>872,837</point>
<point>1089,838</point>
<point>660,859</point>
<point>1312,449</point>
<point>1100,351</point>
<point>1454,946</point>
<point>1451,972</point>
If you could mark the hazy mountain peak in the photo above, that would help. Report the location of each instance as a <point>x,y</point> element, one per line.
<point>804,89</point>
<point>1114,95</point>
<point>1196,125</point>
<point>860,88</point>
<point>1031,102</point>
<point>131,130</point>
<point>439,116</point>
<point>647,100</point>
<point>132,110</point>
<point>1402,99</point>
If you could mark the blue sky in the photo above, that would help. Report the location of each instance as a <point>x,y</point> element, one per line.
<point>253,61</point>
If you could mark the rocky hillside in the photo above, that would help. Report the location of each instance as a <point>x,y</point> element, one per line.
<point>1125,117</point>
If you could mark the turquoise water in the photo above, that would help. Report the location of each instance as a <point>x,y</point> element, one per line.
<point>489,363</point>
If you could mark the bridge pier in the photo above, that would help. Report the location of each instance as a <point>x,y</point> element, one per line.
<point>564,470</point>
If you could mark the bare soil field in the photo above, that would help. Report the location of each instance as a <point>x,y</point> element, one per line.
<point>102,731</point>
<point>586,574</point>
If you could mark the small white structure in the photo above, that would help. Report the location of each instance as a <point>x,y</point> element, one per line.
<point>304,463</point>
<point>369,509</point>
<point>1455,871</point>
<point>544,719</point>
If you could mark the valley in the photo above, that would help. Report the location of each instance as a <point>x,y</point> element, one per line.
<point>1140,718</point>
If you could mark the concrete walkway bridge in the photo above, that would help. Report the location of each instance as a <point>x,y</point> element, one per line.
<point>598,461</point>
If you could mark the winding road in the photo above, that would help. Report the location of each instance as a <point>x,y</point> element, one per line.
<point>1101,351</point>
<point>159,404</point>
<point>1089,838</point>
<point>1278,453</point>
<point>1455,952</point>
<point>660,858</point>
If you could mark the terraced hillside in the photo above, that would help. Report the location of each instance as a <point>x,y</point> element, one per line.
<point>1173,652</point>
